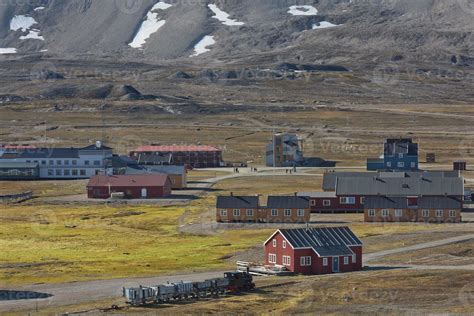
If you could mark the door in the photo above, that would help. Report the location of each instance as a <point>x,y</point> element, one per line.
<point>144,193</point>
<point>335,264</point>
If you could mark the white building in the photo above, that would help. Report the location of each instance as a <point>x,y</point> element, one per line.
<point>61,163</point>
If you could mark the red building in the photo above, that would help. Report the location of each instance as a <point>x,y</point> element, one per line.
<point>194,156</point>
<point>320,250</point>
<point>329,202</point>
<point>149,186</point>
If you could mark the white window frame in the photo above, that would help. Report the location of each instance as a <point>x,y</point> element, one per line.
<point>346,260</point>
<point>313,202</point>
<point>413,164</point>
<point>287,212</point>
<point>300,213</point>
<point>385,213</point>
<point>274,212</point>
<point>326,202</point>
<point>223,212</point>
<point>286,260</point>
<point>371,213</point>
<point>347,200</point>
<point>425,213</point>
<point>250,213</point>
<point>274,243</point>
<point>325,262</point>
<point>401,164</point>
<point>236,212</point>
<point>389,164</point>
<point>398,213</point>
<point>452,213</point>
<point>272,258</point>
<point>354,258</point>
<point>305,261</point>
<point>400,155</point>
<point>284,244</point>
<point>362,200</point>
<point>439,213</point>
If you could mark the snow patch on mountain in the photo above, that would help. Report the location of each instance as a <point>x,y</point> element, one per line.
<point>8,50</point>
<point>303,10</point>
<point>224,17</point>
<point>203,45</point>
<point>25,23</point>
<point>324,25</point>
<point>151,25</point>
<point>39,8</point>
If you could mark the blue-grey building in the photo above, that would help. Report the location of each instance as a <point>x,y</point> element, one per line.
<point>400,154</point>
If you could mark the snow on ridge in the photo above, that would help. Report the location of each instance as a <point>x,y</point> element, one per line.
<point>324,25</point>
<point>25,23</point>
<point>39,8</point>
<point>223,17</point>
<point>32,34</point>
<point>8,50</point>
<point>302,10</point>
<point>203,45</point>
<point>151,25</point>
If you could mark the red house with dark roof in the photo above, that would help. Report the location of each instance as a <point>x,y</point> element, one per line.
<point>148,186</point>
<point>319,250</point>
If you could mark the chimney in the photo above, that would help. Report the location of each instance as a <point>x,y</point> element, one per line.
<point>98,144</point>
<point>231,193</point>
<point>296,193</point>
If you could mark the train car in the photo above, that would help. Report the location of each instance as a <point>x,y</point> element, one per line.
<point>232,282</point>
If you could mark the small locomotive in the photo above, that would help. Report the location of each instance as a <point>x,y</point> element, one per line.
<point>232,282</point>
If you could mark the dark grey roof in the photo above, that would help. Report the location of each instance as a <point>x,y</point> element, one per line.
<point>288,202</point>
<point>375,202</point>
<point>318,194</point>
<point>400,186</point>
<point>94,147</point>
<point>329,178</point>
<point>325,241</point>
<point>399,146</point>
<point>440,202</point>
<point>237,202</point>
<point>20,165</point>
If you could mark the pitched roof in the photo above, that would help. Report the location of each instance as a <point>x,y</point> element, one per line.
<point>400,186</point>
<point>233,201</point>
<point>440,202</point>
<point>175,148</point>
<point>94,147</point>
<point>373,202</point>
<point>329,178</point>
<point>288,202</point>
<point>325,241</point>
<point>148,180</point>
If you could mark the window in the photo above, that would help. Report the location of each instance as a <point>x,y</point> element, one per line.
<point>452,213</point>
<point>348,200</point>
<point>223,212</point>
<point>400,155</point>
<point>274,242</point>
<point>305,261</point>
<point>326,202</point>
<point>236,212</point>
<point>272,258</point>
<point>385,213</point>
<point>66,162</point>
<point>250,213</point>
<point>58,172</point>
<point>287,213</point>
<point>74,162</point>
<point>74,172</point>
<point>274,212</point>
<point>346,260</point>
<point>67,172</point>
<point>313,202</point>
<point>36,161</point>
<point>389,164</point>
<point>96,162</point>
<point>425,213</point>
<point>354,258</point>
<point>43,162</point>
<point>362,200</point>
<point>398,213</point>
<point>50,172</point>
<point>286,260</point>
<point>284,244</point>
<point>300,213</point>
<point>413,164</point>
<point>325,262</point>
<point>83,172</point>
<point>51,162</point>
<point>28,161</point>
<point>439,213</point>
<point>86,162</point>
<point>400,164</point>
<point>371,213</point>
<point>58,162</point>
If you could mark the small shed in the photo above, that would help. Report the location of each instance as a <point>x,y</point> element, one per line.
<point>460,165</point>
<point>150,186</point>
